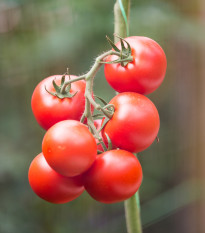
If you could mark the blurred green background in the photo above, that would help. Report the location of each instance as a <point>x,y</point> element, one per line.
<point>39,38</point>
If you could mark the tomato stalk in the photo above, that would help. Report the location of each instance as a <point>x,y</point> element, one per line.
<point>89,78</point>
<point>63,88</point>
<point>132,205</point>
<point>121,15</point>
<point>132,214</point>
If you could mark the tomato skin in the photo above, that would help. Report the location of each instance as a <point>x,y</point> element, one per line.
<point>144,74</point>
<point>115,176</point>
<point>50,185</point>
<point>69,148</point>
<point>49,109</point>
<point>135,123</point>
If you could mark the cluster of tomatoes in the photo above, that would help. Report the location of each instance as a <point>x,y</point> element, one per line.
<point>69,163</point>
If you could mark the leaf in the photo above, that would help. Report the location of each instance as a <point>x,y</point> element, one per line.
<point>128,49</point>
<point>52,93</point>
<point>63,95</point>
<point>99,152</point>
<point>112,44</point>
<point>57,88</point>
<point>68,87</point>
<point>109,142</point>
<point>62,80</point>
<point>124,50</point>
<point>102,100</point>
<point>69,95</point>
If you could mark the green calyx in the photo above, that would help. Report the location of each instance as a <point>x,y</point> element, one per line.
<point>125,54</point>
<point>62,91</point>
<point>106,114</point>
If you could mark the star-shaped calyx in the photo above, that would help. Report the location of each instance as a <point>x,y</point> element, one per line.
<point>125,53</point>
<point>63,90</point>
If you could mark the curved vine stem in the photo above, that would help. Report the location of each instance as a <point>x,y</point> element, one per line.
<point>89,78</point>
<point>71,81</point>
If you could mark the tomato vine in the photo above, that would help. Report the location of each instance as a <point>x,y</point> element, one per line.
<point>64,104</point>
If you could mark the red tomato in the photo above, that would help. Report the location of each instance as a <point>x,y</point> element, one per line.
<point>144,74</point>
<point>69,148</point>
<point>115,176</point>
<point>134,124</point>
<point>49,109</point>
<point>51,186</point>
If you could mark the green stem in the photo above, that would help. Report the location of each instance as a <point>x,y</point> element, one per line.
<point>132,214</point>
<point>120,26</point>
<point>71,81</point>
<point>89,78</point>
<point>132,205</point>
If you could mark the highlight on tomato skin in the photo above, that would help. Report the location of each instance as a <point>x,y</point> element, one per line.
<point>115,176</point>
<point>135,123</point>
<point>144,74</point>
<point>50,185</point>
<point>49,109</point>
<point>69,148</point>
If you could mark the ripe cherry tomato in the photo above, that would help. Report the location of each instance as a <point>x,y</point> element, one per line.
<point>134,124</point>
<point>49,109</point>
<point>144,74</point>
<point>51,186</point>
<point>69,148</point>
<point>115,176</point>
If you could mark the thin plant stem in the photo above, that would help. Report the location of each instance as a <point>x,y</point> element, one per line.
<point>120,25</point>
<point>132,214</point>
<point>71,81</point>
<point>89,78</point>
<point>132,205</point>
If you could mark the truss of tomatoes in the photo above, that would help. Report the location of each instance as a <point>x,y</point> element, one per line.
<point>69,163</point>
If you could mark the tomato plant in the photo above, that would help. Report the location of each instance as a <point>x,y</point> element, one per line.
<point>115,176</point>
<point>134,124</point>
<point>51,186</point>
<point>129,122</point>
<point>49,109</point>
<point>69,147</point>
<point>144,74</point>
